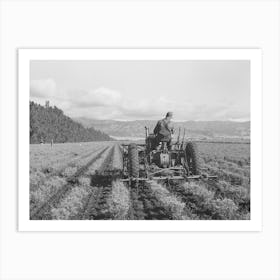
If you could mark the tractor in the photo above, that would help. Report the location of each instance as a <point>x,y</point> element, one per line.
<point>159,161</point>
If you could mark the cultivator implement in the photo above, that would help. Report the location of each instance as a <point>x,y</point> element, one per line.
<point>171,178</point>
<point>155,176</point>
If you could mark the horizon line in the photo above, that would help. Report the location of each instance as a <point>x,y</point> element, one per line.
<point>121,120</point>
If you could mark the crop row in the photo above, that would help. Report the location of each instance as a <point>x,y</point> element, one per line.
<point>202,204</point>
<point>45,178</point>
<point>235,153</point>
<point>43,186</point>
<point>45,156</point>
<point>81,187</point>
<point>232,177</point>
<point>151,201</point>
<point>88,198</point>
<point>47,196</point>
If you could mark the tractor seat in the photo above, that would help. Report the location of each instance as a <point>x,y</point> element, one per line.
<point>162,138</point>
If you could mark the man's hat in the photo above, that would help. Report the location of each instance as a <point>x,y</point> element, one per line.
<point>169,114</point>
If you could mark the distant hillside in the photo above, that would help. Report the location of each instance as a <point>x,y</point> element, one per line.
<point>47,123</point>
<point>198,129</point>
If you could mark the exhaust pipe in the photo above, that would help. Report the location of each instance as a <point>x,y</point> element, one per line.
<point>147,131</point>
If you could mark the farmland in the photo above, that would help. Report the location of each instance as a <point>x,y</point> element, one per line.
<point>67,182</point>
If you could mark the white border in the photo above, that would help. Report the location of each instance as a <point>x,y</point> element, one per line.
<point>254,55</point>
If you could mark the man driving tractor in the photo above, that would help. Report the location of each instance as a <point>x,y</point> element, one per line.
<point>164,130</point>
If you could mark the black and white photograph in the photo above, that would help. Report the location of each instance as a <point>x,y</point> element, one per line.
<point>140,140</point>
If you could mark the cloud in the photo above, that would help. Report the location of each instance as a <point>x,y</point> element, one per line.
<point>106,103</point>
<point>43,88</point>
<point>98,97</point>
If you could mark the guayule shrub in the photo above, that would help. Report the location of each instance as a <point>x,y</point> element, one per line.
<point>70,205</point>
<point>36,178</point>
<point>98,163</point>
<point>46,190</point>
<point>169,201</point>
<point>74,202</point>
<point>238,194</point>
<point>197,192</point>
<point>223,209</point>
<point>231,177</point>
<point>197,199</point>
<point>202,202</point>
<point>119,201</point>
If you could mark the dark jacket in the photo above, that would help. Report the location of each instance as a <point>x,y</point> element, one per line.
<point>163,128</point>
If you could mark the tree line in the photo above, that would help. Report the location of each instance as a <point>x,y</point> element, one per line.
<point>49,124</point>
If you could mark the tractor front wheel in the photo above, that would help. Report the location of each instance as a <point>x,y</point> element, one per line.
<point>133,161</point>
<point>193,158</point>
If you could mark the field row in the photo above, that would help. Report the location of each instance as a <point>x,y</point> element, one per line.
<point>47,189</point>
<point>75,188</point>
<point>152,201</point>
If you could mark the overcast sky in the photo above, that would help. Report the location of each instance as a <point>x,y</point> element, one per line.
<point>130,90</point>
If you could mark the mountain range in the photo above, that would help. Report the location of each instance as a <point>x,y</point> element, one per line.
<point>195,129</point>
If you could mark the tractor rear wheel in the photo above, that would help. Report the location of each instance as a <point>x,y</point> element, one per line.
<point>133,161</point>
<point>193,158</point>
